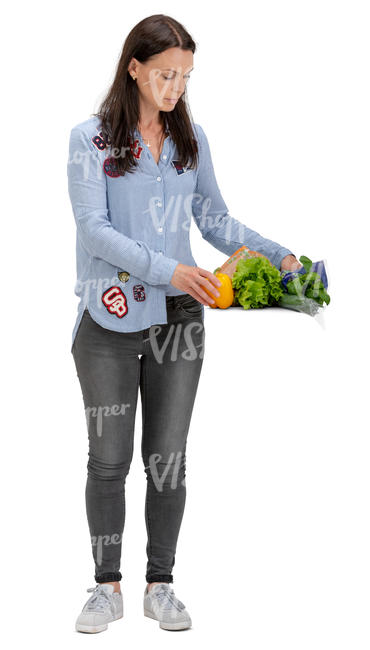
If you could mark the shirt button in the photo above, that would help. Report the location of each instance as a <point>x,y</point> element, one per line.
<point>159,204</point>
<point>159,178</point>
<point>160,229</point>
<point>160,252</point>
<point>164,156</point>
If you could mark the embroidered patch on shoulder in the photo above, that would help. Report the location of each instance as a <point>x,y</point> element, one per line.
<point>139,292</point>
<point>99,141</point>
<point>181,169</point>
<point>115,301</point>
<point>110,167</point>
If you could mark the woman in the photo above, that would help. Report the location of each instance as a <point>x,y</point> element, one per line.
<point>139,170</point>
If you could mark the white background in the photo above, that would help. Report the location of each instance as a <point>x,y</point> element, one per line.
<point>274,547</point>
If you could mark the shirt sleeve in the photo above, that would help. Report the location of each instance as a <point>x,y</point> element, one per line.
<point>212,216</point>
<point>87,187</point>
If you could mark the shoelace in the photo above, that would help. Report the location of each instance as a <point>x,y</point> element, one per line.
<point>100,599</point>
<point>167,598</point>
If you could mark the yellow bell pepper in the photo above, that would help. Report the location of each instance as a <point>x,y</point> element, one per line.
<point>226,297</point>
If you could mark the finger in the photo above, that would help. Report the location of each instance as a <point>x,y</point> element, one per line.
<point>209,300</point>
<point>209,281</point>
<point>200,295</point>
<point>211,276</point>
<point>206,284</point>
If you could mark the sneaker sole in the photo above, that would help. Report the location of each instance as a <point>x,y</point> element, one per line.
<point>93,629</point>
<point>167,626</point>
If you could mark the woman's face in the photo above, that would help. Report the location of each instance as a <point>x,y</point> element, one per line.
<point>161,81</point>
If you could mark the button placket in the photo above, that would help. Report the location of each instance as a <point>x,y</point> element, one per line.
<point>162,163</point>
<point>159,204</point>
<point>164,155</point>
<point>159,177</point>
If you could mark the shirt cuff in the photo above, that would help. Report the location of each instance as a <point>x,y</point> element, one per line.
<point>279,256</point>
<point>167,269</point>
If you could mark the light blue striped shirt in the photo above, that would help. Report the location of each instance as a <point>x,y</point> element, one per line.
<point>139,224</point>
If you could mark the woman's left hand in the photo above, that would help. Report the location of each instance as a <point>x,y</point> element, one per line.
<point>290,263</point>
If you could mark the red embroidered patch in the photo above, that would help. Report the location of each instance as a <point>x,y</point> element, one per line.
<point>110,167</point>
<point>115,301</point>
<point>139,292</point>
<point>135,149</point>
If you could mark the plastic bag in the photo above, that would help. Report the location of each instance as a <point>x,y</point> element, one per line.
<point>315,283</point>
<point>306,305</point>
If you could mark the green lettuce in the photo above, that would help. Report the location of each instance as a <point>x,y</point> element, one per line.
<point>256,283</point>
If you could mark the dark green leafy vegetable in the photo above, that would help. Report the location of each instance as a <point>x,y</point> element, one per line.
<point>308,284</point>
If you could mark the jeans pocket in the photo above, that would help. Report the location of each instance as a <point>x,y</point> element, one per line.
<point>191,306</point>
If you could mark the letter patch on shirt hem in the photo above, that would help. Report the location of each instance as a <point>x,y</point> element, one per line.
<point>115,301</point>
<point>139,292</point>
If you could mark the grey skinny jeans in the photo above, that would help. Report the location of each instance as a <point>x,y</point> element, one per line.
<point>110,372</point>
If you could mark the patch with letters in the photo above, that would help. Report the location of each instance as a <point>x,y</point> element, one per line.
<point>110,167</point>
<point>181,169</point>
<point>139,292</point>
<point>115,301</point>
<point>135,148</point>
<point>99,141</point>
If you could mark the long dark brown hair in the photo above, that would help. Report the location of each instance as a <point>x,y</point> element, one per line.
<point>119,111</point>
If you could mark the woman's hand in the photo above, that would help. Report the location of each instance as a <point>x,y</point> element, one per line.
<point>290,263</point>
<point>193,279</point>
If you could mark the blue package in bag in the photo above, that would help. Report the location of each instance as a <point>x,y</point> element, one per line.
<point>286,276</point>
<point>317,267</point>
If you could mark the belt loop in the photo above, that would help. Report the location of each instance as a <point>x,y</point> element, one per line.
<point>171,300</point>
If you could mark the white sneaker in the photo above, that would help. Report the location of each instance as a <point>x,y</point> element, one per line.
<point>103,607</point>
<point>161,604</point>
